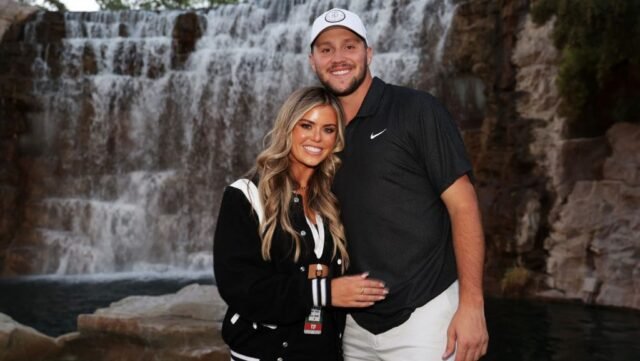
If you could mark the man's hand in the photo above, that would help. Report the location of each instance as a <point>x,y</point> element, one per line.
<point>467,334</point>
<point>468,328</point>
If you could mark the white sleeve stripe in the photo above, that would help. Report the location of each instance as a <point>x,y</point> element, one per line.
<point>314,291</point>
<point>240,356</point>
<point>323,291</point>
<point>253,195</point>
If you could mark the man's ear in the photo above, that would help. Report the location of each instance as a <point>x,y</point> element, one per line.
<point>313,65</point>
<point>369,55</point>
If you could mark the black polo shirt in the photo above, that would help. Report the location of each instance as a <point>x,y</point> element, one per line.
<point>402,151</point>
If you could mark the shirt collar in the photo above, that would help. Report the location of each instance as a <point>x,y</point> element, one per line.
<point>373,98</point>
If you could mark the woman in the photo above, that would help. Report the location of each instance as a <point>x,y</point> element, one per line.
<point>279,247</point>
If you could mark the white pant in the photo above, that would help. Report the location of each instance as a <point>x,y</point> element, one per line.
<point>423,337</point>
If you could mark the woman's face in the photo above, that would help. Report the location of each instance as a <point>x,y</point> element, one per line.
<point>313,138</point>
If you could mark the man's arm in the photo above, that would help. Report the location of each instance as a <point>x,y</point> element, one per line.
<point>468,328</point>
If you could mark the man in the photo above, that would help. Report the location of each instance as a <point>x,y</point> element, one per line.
<point>408,206</point>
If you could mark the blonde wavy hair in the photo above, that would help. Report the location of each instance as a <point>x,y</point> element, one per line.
<point>275,185</point>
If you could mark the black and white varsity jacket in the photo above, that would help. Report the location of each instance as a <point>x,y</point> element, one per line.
<point>269,301</point>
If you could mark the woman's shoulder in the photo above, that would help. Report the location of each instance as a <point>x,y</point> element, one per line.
<point>241,197</point>
<point>243,183</point>
<point>234,198</point>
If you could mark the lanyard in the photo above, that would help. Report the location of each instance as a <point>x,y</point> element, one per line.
<point>318,234</point>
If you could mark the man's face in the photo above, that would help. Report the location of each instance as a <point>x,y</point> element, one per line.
<point>340,59</point>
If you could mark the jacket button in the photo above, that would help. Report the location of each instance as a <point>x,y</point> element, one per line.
<point>301,268</point>
<point>296,199</point>
<point>279,359</point>
<point>303,233</point>
<point>285,344</point>
<point>339,261</point>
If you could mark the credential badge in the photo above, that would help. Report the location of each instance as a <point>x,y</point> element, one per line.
<point>334,16</point>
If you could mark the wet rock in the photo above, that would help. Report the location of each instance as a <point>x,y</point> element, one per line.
<point>186,34</point>
<point>20,343</point>
<point>12,12</point>
<point>15,101</point>
<point>471,30</point>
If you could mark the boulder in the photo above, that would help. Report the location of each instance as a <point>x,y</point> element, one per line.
<point>20,343</point>
<point>178,327</point>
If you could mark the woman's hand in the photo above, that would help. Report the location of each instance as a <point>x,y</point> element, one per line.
<point>357,291</point>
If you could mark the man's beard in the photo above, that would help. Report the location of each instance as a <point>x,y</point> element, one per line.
<point>353,86</point>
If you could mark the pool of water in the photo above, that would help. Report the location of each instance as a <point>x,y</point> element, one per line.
<point>559,331</point>
<point>519,330</point>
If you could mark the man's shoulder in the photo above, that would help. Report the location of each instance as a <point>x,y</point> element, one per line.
<point>416,108</point>
<point>413,97</point>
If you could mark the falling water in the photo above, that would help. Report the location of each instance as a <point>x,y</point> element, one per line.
<point>138,136</point>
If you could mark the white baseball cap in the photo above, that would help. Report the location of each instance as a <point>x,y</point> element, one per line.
<point>338,17</point>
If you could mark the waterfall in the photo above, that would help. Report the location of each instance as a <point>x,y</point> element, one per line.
<point>142,126</point>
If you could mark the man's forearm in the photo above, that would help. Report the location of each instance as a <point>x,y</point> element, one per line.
<point>468,240</point>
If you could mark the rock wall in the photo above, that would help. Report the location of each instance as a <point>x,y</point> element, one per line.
<point>591,239</point>
<point>15,82</point>
<point>485,35</point>
<point>22,158</point>
<point>595,232</point>
<point>560,211</point>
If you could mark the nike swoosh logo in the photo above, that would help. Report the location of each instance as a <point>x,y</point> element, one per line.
<point>377,134</point>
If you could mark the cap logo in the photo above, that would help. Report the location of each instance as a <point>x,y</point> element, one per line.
<point>334,16</point>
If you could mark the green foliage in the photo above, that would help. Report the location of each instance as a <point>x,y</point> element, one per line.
<point>159,4</point>
<point>600,66</point>
<point>515,280</point>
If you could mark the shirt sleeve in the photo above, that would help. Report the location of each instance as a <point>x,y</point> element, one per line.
<point>251,286</point>
<point>440,145</point>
